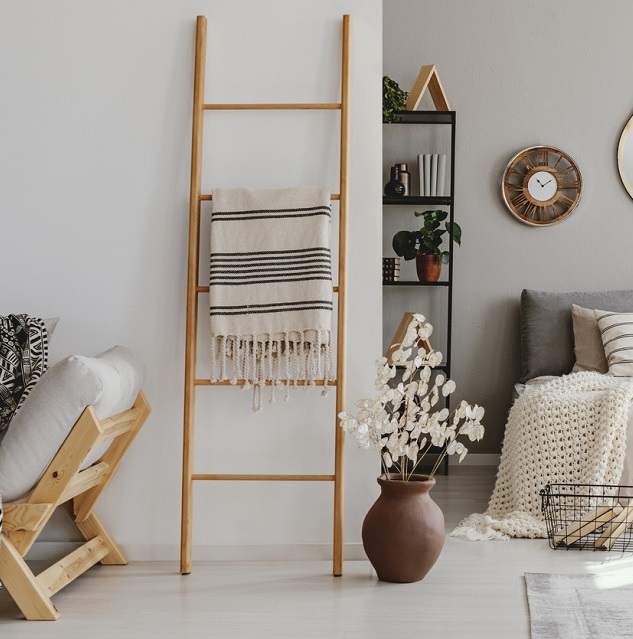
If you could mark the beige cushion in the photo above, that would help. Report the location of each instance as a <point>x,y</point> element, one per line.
<point>616,330</point>
<point>588,346</point>
<point>110,382</point>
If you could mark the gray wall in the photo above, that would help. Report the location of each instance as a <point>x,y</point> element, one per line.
<point>520,74</point>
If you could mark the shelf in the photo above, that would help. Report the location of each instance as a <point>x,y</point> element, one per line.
<point>415,283</point>
<point>422,200</point>
<point>425,117</point>
<point>443,367</point>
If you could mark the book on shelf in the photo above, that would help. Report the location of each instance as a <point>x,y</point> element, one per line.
<point>432,170</point>
<point>441,174</point>
<point>401,331</point>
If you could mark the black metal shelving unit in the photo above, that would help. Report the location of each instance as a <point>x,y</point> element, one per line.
<point>446,118</point>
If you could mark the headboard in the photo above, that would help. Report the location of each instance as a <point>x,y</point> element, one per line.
<point>547,335</point>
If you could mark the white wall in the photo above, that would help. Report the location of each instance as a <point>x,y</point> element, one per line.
<point>94,168</point>
<point>520,74</point>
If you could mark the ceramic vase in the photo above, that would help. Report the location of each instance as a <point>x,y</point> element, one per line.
<point>403,532</point>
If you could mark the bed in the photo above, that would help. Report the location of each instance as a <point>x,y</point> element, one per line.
<point>562,428</point>
<point>548,341</point>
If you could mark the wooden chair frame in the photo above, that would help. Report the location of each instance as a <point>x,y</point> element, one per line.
<point>64,483</point>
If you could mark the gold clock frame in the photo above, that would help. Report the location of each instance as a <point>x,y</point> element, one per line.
<point>621,169</point>
<point>548,213</point>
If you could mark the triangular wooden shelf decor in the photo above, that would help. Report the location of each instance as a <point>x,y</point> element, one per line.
<point>428,77</point>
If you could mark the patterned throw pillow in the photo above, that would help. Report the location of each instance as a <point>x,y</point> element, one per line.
<point>23,360</point>
<point>616,330</point>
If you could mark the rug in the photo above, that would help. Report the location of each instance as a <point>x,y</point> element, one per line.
<point>578,606</point>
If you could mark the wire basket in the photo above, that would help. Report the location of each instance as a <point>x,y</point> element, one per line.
<point>588,516</point>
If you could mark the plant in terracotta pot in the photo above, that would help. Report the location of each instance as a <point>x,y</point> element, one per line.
<point>403,532</point>
<point>424,245</point>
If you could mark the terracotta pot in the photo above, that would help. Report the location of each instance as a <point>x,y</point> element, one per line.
<point>429,267</point>
<point>403,532</point>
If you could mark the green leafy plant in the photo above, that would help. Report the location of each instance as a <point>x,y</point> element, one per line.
<point>393,100</point>
<point>428,239</point>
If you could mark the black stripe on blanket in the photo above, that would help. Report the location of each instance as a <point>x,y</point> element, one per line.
<point>246,275</point>
<point>266,274</point>
<point>263,217</point>
<point>228,256</point>
<point>294,279</point>
<point>230,270</point>
<point>285,310</point>
<point>280,308</point>
<point>272,214</point>
<point>274,304</point>
<point>254,263</point>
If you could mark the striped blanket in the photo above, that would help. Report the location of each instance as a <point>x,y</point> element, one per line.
<point>271,288</point>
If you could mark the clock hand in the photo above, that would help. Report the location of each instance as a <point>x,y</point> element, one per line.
<point>546,183</point>
<point>539,182</point>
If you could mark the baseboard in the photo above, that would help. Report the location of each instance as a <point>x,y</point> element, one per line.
<point>476,459</point>
<point>52,550</point>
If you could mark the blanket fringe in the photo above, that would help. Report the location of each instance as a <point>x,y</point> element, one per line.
<point>484,527</point>
<point>283,360</point>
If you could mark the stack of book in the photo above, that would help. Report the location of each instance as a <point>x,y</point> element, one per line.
<point>432,168</point>
<point>390,270</point>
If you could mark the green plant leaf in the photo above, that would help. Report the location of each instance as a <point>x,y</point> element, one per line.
<point>403,242</point>
<point>457,233</point>
<point>445,257</point>
<point>393,100</point>
<point>440,215</point>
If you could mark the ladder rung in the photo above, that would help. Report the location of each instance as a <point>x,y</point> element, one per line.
<point>282,106</point>
<point>268,382</point>
<point>216,477</point>
<point>208,196</point>
<point>205,289</point>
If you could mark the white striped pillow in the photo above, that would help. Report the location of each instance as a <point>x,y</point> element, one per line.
<point>616,331</point>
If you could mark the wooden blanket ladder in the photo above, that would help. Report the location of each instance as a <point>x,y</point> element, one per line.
<point>194,289</point>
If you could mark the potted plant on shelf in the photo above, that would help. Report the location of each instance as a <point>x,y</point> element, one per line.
<point>424,245</point>
<point>394,99</point>
<point>403,532</point>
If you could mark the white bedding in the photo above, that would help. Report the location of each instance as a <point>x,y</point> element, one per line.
<point>627,471</point>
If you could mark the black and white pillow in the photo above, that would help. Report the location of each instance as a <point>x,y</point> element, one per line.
<point>23,360</point>
<point>616,331</point>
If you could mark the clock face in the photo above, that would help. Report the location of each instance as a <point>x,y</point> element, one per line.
<point>541,185</point>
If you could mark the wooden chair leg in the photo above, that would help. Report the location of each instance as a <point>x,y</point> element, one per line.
<point>93,527</point>
<point>22,585</point>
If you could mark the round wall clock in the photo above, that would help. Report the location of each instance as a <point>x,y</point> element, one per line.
<point>541,185</point>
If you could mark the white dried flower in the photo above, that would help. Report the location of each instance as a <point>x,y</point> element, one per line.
<point>401,422</point>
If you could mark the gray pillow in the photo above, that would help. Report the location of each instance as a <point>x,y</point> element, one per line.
<point>109,382</point>
<point>547,335</point>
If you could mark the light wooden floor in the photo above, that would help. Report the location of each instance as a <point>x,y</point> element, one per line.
<point>475,590</point>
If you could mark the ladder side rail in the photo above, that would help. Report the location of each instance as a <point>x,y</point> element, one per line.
<point>191,338</point>
<point>337,548</point>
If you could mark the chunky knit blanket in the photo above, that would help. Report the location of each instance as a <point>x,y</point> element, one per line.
<point>570,430</point>
<point>23,360</point>
<point>271,287</point>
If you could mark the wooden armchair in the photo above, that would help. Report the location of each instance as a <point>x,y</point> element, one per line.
<point>71,481</point>
<point>65,484</point>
